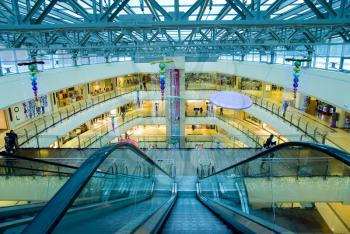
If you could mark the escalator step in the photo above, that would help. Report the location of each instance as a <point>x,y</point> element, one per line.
<point>189,215</point>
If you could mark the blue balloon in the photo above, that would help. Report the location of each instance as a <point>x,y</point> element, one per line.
<point>295,85</point>
<point>296,80</point>
<point>35,88</point>
<point>34,82</point>
<point>33,78</point>
<point>162,86</point>
<point>162,81</point>
<point>162,76</point>
<point>296,74</point>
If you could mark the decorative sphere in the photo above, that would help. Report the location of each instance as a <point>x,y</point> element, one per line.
<point>162,65</point>
<point>32,67</point>
<point>162,76</point>
<point>297,69</point>
<point>296,74</point>
<point>297,63</point>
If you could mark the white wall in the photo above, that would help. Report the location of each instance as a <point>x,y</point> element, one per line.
<point>329,86</point>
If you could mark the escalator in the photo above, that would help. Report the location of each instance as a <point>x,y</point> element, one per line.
<point>292,188</point>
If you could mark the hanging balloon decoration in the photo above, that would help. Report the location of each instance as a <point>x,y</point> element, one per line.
<point>33,78</point>
<point>296,72</point>
<point>33,70</point>
<point>162,76</point>
<point>296,75</point>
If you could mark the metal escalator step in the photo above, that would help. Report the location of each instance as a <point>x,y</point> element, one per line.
<point>190,216</point>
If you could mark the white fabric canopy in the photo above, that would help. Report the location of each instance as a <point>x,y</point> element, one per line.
<point>231,100</point>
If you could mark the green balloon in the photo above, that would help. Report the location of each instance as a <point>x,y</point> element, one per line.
<point>297,69</point>
<point>297,63</point>
<point>162,71</point>
<point>32,73</point>
<point>32,67</point>
<point>162,65</point>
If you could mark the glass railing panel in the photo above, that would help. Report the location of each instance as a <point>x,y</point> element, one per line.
<point>130,189</point>
<point>25,181</point>
<point>292,187</point>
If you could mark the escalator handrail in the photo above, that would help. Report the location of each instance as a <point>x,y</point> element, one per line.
<point>3,153</point>
<point>333,152</point>
<point>53,212</point>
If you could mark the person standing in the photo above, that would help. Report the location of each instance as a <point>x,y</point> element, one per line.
<point>284,107</point>
<point>14,139</point>
<point>8,146</point>
<point>144,85</point>
<point>269,142</point>
<point>221,111</point>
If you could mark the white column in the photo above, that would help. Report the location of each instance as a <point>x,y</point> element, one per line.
<point>266,90</point>
<point>300,101</point>
<point>341,118</point>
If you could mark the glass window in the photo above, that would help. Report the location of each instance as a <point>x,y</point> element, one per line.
<point>346,64</point>
<point>320,62</point>
<point>335,50</point>
<point>249,57</point>
<point>333,63</point>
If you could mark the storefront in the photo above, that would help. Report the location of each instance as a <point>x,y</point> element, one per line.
<point>71,95</point>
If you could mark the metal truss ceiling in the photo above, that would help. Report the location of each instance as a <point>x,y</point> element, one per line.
<point>171,27</point>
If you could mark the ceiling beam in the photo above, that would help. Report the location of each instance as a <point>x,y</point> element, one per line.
<point>153,11</point>
<point>160,9</point>
<point>202,9</point>
<point>328,7</point>
<point>74,4</point>
<point>236,9</point>
<point>243,8</point>
<point>46,12</point>
<point>192,9</point>
<point>314,9</point>
<point>110,9</point>
<point>118,10</point>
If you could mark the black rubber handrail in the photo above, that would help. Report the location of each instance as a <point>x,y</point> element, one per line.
<point>36,160</point>
<point>333,152</point>
<point>53,212</point>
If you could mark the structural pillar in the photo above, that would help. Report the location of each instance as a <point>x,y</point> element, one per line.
<point>300,101</point>
<point>175,104</point>
<point>341,118</point>
<point>266,90</point>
